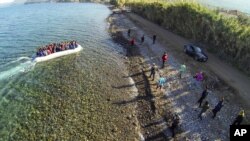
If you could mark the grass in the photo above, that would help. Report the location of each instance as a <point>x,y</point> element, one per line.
<point>228,36</point>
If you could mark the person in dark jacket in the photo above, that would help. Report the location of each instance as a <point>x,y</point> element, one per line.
<point>203,96</point>
<point>239,118</point>
<point>204,109</point>
<point>218,107</point>
<point>129,31</point>
<point>175,124</point>
<point>152,71</point>
<point>142,39</point>
<point>154,38</point>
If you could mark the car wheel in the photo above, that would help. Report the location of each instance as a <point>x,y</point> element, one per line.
<point>185,49</point>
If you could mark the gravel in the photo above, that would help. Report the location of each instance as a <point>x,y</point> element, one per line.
<point>184,93</point>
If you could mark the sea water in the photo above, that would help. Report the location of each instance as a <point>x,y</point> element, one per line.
<point>63,98</point>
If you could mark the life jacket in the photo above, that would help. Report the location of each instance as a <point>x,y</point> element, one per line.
<point>48,51</point>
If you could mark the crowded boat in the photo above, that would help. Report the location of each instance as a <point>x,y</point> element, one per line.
<point>55,50</point>
<point>56,47</point>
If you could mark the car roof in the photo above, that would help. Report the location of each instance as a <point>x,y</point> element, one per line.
<point>193,45</point>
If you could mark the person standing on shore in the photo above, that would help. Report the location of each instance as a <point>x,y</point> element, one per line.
<point>142,39</point>
<point>132,42</point>
<point>199,76</point>
<point>182,70</point>
<point>129,31</point>
<point>175,124</point>
<point>239,118</point>
<point>203,96</point>
<point>198,79</point>
<point>218,107</point>
<point>154,38</point>
<point>164,59</point>
<point>152,71</point>
<point>161,82</point>
<point>205,107</point>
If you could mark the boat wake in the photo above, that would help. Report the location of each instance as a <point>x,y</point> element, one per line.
<point>20,65</point>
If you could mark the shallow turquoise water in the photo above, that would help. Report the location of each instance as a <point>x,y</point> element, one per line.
<point>59,99</point>
<point>23,28</point>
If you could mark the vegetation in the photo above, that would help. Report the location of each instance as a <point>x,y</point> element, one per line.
<point>228,36</point>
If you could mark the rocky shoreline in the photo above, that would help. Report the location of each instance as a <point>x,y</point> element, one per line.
<point>155,109</point>
<point>147,109</point>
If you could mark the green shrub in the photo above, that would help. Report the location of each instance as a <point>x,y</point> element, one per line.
<point>228,36</point>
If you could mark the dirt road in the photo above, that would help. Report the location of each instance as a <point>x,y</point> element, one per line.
<point>227,73</point>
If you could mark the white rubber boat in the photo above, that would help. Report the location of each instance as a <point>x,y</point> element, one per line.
<point>58,54</point>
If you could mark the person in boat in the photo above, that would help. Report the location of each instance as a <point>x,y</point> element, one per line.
<point>39,52</point>
<point>49,47</point>
<point>73,42</point>
<point>54,47</point>
<point>66,45</point>
<point>62,47</point>
<point>57,48</point>
<point>45,51</point>
<point>76,44</point>
<point>71,46</point>
<point>48,51</point>
<point>42,53</point>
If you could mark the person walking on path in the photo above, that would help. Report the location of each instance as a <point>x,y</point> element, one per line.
<point>182,70</point>
<point>154,38</point>
<point>129,31</point>
<point>142,39</point>
<point>164,59</point>
<point>152,71</point>
<point>132,42</point>
<point>198,79</point>
<point>199,76</point>
<point>161,82</point>
<point>239,118</point>
<point>175,124</point>
<point>203,96</point>
<point>218,107</point>
<point>205,107</point>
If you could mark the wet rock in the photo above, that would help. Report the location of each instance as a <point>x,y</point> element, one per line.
<point>134,123</point>
<point>129,117</point>
<point>114,129</point>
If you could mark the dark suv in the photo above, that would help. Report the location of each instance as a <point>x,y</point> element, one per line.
<point>196,52</point>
